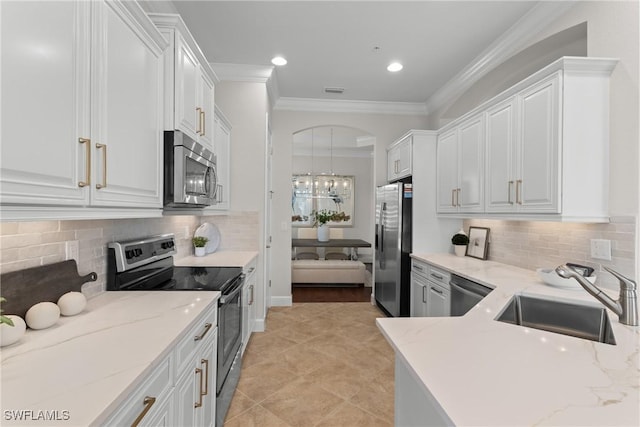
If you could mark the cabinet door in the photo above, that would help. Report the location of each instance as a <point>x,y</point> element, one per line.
<point>186,395</point>
<point>187,75</point>
<point>195,389</point>
<point>222,150</point>
<point>392,165</point>
<point>403,151</point>
<point>438,301</point>
<point>470,194</point>
<point>126,112</point>
<point>207,128</point>
<point>206,414</point>
<point>500,181</point>
<point>539,148</point>
<point>163,415</point>
<point>418,295</point>
<point>45,102</point>
<point>447,168</point>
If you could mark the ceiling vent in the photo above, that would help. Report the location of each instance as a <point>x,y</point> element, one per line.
<point>334,90</point>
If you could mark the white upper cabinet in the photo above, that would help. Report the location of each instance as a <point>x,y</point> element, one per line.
<point>399,159</point>
<point>547,146</point>
<point>522,168</point>
<point>461,167</point>
<point>126,112</point>
<point>81,105</point>
<point>189,82</point>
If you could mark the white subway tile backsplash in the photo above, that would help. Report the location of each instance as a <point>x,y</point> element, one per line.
<point>31,244</point>
<point>532,245</point>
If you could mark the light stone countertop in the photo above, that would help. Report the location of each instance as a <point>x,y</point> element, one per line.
<point>89,363</point>
<point>218,259</point>
<point>487,373</point>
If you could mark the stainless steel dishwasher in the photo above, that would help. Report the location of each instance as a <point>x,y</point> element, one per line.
<point>465,294</point>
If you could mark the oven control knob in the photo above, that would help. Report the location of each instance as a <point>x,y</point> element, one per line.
<point>138,252</point>
<point>129,254</point>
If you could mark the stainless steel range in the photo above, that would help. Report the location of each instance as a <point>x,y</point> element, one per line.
<point>147,264</point>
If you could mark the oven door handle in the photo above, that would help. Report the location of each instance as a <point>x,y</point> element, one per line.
<point>235,291</point>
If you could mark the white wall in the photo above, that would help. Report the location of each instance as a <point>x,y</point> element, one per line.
<point>245,104</point>
<point>385,128</point>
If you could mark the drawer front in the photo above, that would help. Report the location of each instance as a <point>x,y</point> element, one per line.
<point>420,268</point>
<point>193,339</point>
<point>251,267</point>
<point>439,276</point>
<point>144,403</point>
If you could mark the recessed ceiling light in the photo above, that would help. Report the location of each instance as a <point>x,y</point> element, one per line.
<point>279,60</point>
<point>394,67</point>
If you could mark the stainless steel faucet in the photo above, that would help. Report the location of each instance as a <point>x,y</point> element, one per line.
<point>626,307</point>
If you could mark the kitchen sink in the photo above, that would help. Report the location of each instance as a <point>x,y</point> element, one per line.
<point>576,320</point>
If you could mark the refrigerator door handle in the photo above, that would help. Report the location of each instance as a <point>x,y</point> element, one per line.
<point>383,208</point>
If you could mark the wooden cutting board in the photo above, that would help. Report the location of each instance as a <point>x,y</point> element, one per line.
<point>24,288</point>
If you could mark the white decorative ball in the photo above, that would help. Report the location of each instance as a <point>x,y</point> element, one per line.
<point>72,303</point>
<point>11,334</point>
<point>42,315</point>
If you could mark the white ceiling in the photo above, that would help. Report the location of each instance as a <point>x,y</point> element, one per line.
<point>332,141</point>
<point>330,43</point>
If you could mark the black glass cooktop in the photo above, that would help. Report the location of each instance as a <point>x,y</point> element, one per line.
<point>163,275</point>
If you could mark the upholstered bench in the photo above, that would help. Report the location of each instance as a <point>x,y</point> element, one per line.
<point>309,271</point>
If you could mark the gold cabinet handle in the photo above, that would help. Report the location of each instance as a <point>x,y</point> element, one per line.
<point>199,402</point>
<point>203,121</point>
<point>148,403</point>
<point>509,190</point>
<point>453,195</point>
<point>519,191</point>
<point>199,112</point>
<point>205,362</point>
<point>251,300</point>
<point>207,326</point>
<point>87,167</point>
<point>457,197</point>
<point>104,166</point>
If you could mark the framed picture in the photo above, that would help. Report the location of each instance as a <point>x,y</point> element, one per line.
<point>478,246</point>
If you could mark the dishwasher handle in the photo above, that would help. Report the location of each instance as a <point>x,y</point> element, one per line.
<point>470,288</point>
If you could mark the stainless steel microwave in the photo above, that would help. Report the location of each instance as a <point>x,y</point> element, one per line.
<point>190,179</point>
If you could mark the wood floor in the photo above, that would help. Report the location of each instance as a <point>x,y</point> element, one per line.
<point>331,293</point>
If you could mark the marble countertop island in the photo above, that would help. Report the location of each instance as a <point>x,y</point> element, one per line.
<point>482,372</point>
<point>88,364</point>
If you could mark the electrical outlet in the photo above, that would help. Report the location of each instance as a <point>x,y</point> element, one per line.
<point>71,250</point>
<point>601,249</point>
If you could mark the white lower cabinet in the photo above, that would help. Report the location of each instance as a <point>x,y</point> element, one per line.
<point>196,387</point>
<point>81,120</point>
<point>181,390</point>
<point>248,303</point>
<point>414,405</point>
<point>153,400</point>
<point>430,292</point>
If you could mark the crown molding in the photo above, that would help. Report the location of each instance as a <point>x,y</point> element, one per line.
<point>349,106</point>
<point>242,72</point>
<point>516,38</point>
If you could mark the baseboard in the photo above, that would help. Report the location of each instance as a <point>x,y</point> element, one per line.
<point>281,301</point>
<point>258,325</point>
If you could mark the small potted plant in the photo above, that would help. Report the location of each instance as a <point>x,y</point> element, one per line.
<point>460,241</point>
<point>199,243</point>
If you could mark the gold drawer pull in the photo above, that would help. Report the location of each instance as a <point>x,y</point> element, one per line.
<point>509,190</point>
<point>199,402</point>
<point>104,166</point>
<point>207,326</point>
<point>199,113</point>
<point>148,403</point>
<point>88,165</point>
<point>205,362</point>
<point>519,191</point>
<point>203,121</point>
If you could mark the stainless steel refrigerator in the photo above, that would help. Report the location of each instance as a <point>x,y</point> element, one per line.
<point>393,247</point>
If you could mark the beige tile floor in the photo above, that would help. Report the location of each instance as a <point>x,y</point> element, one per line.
<point>317,364</point>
